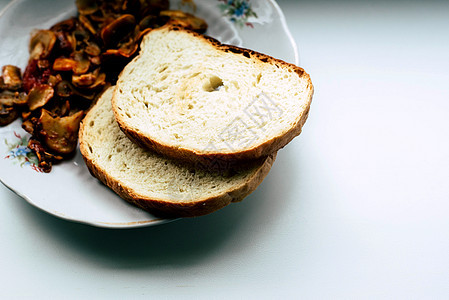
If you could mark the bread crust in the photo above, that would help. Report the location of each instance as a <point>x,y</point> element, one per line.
<point>196,157</point>
<point>167,208</point>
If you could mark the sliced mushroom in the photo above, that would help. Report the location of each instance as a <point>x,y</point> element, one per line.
<point>29,125</point>
<point>100,81</point>
<point>117,30</point>
<point>82,64</point>
<point>8,98</point>
<point>152,21</point>
<point>39,96</point>
<point>41,44</point>
<point>7,115</point>
<point>86,7</point>
<point>45,159</point>
<point>65,42</point>
<point>60,134</point>
<point>83,80</point>
<point>64,64</point>
<point>64,89</point>
<point>21,99</point>
<point>54,80</point>
<point>126,50</point>
<point>12,79</point>
<point>92,49</point>
<point>84,20</point>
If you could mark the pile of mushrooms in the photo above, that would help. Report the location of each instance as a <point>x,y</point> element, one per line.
<point>70,65</point>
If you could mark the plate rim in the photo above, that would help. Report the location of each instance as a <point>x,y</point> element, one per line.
<point>145,223</point>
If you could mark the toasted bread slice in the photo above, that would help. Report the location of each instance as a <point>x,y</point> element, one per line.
<point>153,182</point>
<point>187,96</point>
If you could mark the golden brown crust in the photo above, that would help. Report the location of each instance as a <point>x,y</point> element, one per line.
<point>261,150</point>
<point>169,208</point>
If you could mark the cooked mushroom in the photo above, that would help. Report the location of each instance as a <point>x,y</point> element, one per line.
<point>7,115</point>
<point>28,126</point>
<point>60,134</point>
<point>89,80</point>
<point>39,96</point>
<point>11,78</point>
<point>64,64</point>
<point>9,98</point>
<point>64,89</point>
<point>82,63</point>
<point>54,80</point>
<point>21,99</point>
<point>87,24</point>
<point>45,159</point>
<point>83,80</point>
<point>126,50</point>
<point>152,21</point>
<point>86,7</point>
<point>41,44</point>
<point>117,30</point>
<point>65,42</point>
<point>92,49</point>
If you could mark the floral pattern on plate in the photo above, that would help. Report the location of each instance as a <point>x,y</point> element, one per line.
<point>238,11</point>
<point>20,153</point>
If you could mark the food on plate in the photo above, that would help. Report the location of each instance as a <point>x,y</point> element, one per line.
<point>12,98</point>
<point>71,63</point>
<point>192,98</point>
<point>153,182</point>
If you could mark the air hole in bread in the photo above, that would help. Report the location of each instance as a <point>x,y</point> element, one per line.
<point>259,76</point>
<point>92,123</point>
<point>163,69</point>
<point>213,84</point>
<point>164,77</point>
<point>195,74</point>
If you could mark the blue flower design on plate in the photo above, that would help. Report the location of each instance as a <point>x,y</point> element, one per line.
<point>238,11</point>
<point>20,153</point>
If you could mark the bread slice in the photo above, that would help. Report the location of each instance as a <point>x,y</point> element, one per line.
<point>155,183</point>
<point>187,96</point>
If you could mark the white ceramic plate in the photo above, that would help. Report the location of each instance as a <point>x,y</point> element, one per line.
<point>69,191</point>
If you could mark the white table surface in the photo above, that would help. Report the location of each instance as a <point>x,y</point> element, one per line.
<point>356,207</point>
